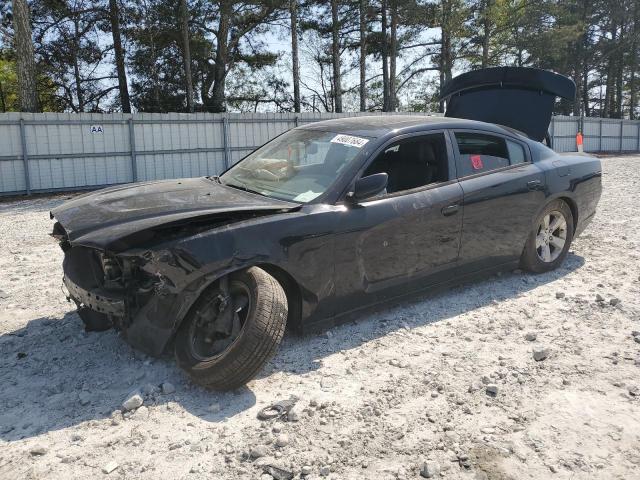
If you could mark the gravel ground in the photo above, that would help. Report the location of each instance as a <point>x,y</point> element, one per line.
<point>406,388</point>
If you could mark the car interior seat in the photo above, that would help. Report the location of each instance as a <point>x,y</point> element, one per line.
<point>411,165</point>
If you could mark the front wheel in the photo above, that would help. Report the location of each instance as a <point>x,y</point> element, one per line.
<point>548,243</point>
<point>230,334</point>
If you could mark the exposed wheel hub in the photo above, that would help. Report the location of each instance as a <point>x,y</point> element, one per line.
<point>220,322</point>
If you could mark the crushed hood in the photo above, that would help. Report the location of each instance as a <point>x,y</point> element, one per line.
<point>99,218</point>
<point>516,97</point>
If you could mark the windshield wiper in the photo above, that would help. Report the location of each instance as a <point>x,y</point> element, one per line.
<point>243,187</point>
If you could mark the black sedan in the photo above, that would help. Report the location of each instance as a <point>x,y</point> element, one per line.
<point>326,219</point>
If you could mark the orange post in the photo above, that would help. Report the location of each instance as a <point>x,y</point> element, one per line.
<point>579,142</point>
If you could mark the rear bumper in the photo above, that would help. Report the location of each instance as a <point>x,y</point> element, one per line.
<point>98,300</point>
<point>582,224</point>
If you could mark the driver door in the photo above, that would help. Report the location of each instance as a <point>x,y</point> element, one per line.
<point>409,236</point>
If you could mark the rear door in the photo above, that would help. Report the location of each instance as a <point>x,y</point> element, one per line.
<point>502,192</point>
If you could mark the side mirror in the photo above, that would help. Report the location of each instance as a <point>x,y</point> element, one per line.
<point>369,186</point>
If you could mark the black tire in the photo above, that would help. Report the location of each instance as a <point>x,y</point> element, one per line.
<point>255,345</point>
<point>531,259</point>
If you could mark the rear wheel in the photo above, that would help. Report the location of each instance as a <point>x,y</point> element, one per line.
<point>232,332</point>
<point>549,241</point>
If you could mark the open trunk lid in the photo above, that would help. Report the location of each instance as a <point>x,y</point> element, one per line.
<point>516,97</point>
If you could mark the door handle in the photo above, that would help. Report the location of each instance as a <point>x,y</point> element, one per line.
<point>450,210</point>
<point>534,185</point>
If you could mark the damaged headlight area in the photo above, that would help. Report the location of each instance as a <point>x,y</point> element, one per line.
<point>108,289</point>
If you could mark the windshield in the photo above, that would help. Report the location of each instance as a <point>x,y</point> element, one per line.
<point>299,165</point>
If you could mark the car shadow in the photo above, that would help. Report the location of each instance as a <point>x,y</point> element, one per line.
<point>53,375</point>
<point>303,354</point>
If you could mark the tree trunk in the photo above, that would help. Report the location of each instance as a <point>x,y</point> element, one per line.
<point>217,99</point>
<point>76,64</point>
<point>385,60</point>
<point>186,53</point>
<point>586,108</point>
<point>335,56</point>
<point>155,75</point>
<point>293,10</point>
<point>3,103</point>
<point>393,54</point>
<point>633,64</point>
<point>486,33</point>
<point>609,92</point>
<point>581,80</point>
<point>114,17</point>
<point>363,55</point>
<point>25,62</point>
<point>445,60</point>
<point>619,73</point>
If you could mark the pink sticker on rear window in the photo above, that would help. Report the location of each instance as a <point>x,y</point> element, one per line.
<point>476,162</point>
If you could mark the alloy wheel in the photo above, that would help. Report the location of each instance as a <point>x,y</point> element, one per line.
<point>551,236</point>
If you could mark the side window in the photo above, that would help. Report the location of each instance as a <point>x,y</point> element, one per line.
<point>413,163</point>
<point>516,152</point>
<point>480,152</point>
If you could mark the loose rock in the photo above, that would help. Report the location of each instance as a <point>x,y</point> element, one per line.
<point>531,336</point>
<point>132,402</point>
<point>282,440</point>
<point>168,388</point>
<point>38,451</point>
<point>109,467</point>
<point>492,389</point>
<point>475,386</point>
<point>540,353</point>
<point>84,398</point>
<point>259,451</point>
<point>430,469</point>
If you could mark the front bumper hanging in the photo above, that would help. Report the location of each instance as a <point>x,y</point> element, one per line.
<point>98,300</point>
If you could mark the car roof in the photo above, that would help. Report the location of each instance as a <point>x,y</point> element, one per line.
<point>381,125</point>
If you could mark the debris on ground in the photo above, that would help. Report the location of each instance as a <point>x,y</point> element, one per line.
<point>279,409</point>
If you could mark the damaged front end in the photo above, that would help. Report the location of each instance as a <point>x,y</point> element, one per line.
<point>145,284</point>
<point>141,291</point>
<point>138,256</point>
<point>108,289</point>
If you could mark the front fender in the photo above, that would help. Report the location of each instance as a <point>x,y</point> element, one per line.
<point>297,243</point>
<point>155,323</point>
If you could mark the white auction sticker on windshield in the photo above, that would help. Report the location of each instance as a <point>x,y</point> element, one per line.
<point>350,140</point>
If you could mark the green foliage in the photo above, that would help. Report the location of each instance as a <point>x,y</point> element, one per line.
<point>8,86</point>
<point>234,64</point>
<point>47,98</point>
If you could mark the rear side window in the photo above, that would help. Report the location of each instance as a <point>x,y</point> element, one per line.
<point>516,152</point>
<point>480,153</point>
